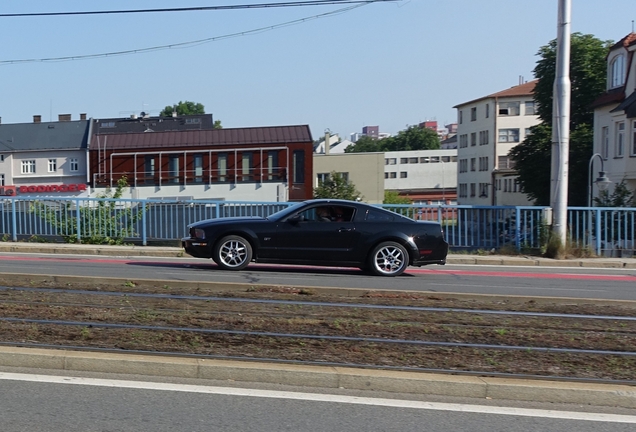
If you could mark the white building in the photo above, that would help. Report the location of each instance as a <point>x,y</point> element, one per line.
<point>615,117</point>
<point>487,129</point>
<point>422,175</point>
<point>336,145</point>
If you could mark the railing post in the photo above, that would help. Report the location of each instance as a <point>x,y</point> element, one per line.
<point>144,236</point>
<point>518,229</point>
<point>14,221</point>
<point>79,222</point>
<point>597,229</point>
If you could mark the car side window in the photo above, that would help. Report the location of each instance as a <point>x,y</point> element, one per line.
<point>378,216</point>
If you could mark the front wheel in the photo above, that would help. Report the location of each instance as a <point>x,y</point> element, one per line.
<point>388,259</point>
<point>232,253</point>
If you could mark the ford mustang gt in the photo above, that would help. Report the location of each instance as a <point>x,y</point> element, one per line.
<point>322,232</point>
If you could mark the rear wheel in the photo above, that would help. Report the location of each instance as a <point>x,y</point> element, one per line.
<point>232,253</point>
<point>388,259</point>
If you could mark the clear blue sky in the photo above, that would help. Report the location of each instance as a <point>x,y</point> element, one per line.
<point>386,64</point>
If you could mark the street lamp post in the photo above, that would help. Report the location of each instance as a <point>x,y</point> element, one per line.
<point>602,183</point>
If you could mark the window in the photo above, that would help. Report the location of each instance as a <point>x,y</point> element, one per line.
<point>473,114</point>
<point>509,108</point>
<point>617,70</point>
<point>487,110</point>
<point>1,179</point>
<point>193,120</point>
<point>483,163</point>
<point>149,169</point>
<point>461,117</point>
<point>463,165</point>
<point>246,167</point>
<point>299,166</point>
<point>473,139</point>
<point>463,141</point>
<point>605,142</point>
<point>52,165</point>
<point>483,190</point>
<point>446,159</point>
<point>197,163</point>
<point>463,190</point>
<point>633,148</point>
<point>107,125</point>
<point>222,166</point>
<point>473,164</point>
<point>620,139</point>
<point>413,160</point>
<point>473,188</point>
<point>272,165</point>
<point>403,174</point>
<point>508,135</point>
<point>434,159</point>
<point>322,177</point>
<point>424,159</point>
<point>504,162</point>
<point>391,175</point>
<point>390,161</point>
<point>529,105</point>
<point>173,169</point>
<point>27,167</point>
<point>483,138</point>
<point>378,216</point>
<point>74,164</point>
<point>1,158</point>
<point>404,160</point>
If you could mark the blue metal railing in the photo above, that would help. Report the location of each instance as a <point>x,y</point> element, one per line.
<point>602,230</point>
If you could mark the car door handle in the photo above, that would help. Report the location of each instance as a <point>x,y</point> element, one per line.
<point>344,230</point>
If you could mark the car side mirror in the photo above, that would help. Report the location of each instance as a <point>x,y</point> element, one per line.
<point>295,219</point>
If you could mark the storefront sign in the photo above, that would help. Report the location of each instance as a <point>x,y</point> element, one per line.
<point>52,188</point>
<point>7,191</point>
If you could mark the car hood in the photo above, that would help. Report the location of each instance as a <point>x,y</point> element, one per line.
<point>227,220</point>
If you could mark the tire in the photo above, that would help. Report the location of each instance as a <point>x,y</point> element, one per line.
<point>232,253</point>
<point>388,259</point>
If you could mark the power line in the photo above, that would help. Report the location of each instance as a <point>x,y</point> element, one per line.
<point>191,44</point>
<point>200,8</point>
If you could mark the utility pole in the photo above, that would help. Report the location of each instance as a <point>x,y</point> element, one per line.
<point>561,125</point>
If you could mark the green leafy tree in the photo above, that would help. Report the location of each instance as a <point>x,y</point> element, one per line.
<point>392,197</point>
<point>365,144</point>
<point>412,138</point>
<point>532,157</point>
<point>183,108</point>
<point>335,186</point>
<point>102,221</point>
<point>621,196</point>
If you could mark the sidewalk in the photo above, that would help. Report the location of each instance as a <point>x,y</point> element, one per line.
<point>156,251</point>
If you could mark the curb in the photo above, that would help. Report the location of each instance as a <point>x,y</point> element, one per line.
<point>327,377</point>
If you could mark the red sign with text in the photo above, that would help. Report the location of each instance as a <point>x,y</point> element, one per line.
<point>52,188</point>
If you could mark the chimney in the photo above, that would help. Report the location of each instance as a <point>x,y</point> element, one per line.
<point>37,119</point>
<point>83,116</point>
<point>64,117</point>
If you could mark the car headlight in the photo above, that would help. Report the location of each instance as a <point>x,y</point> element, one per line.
<point>198,233</point>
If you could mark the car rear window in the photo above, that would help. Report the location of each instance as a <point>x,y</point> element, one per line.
<point>379,216</point>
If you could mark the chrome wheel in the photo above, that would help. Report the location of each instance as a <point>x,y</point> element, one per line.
<point>389,259</point>
<point>233,253</point>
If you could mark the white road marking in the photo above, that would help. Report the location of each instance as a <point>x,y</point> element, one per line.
<point>395,403</point>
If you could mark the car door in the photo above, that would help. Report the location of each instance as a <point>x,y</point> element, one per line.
<point>308,238</point>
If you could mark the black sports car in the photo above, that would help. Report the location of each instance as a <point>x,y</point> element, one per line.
<point>321,232</point>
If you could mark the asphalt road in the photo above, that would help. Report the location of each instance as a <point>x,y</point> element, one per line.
<point>601,283</point>
<point>39,403</point>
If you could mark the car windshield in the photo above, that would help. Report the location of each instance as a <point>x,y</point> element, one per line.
<point>284,212</point>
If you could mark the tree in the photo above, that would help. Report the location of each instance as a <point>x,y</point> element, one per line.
<point>532,157</point>
<point>621,196</point>
<point>392,197</point>
<point>364,144</point>
<point>102,223</point>
<point>413,138</point>
<point>335,186</point>
<point>183,108</point>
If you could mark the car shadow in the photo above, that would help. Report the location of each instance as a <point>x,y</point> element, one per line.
<point>265,268</point>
